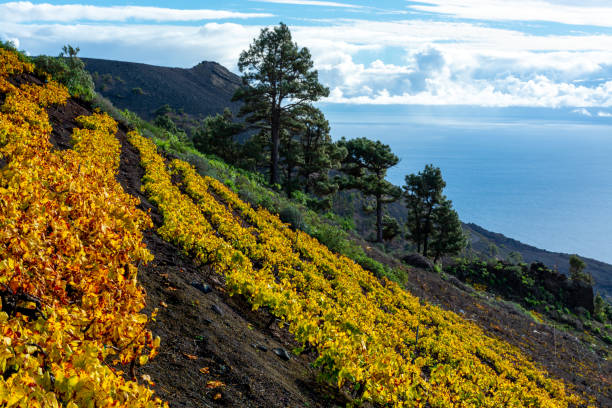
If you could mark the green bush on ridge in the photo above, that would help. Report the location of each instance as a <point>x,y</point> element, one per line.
<point>68,69</point>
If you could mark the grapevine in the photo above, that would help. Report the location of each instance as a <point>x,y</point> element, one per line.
<point>364,330</point>
<point>70,240</point>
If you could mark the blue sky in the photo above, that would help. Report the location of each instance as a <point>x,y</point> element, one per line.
<point>494,53</point>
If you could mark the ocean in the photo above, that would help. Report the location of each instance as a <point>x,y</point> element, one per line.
<point>541,176</point>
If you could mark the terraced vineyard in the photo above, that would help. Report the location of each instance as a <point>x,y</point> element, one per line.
<point>71,241</point>
<point>371,336</point>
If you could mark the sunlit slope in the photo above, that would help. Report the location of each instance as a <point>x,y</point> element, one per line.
<point>70,239</point>
<point>372,338</point>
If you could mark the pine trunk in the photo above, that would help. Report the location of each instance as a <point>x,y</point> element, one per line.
<point>379,233</point>
<point>275,136</point>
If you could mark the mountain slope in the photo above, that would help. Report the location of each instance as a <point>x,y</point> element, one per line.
<point>361,329</point>
<point>351,205</point>
<point>208,87</point>
<point>480,240</point>
<point>72,262</point>
<point>202,90</point>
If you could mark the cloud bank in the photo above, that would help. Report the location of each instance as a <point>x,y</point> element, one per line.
<point>25,11</point>
<point>521,10</point>
<point>364,61</point>
<point>311,3</point>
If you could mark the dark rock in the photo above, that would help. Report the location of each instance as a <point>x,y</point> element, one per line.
<point>419,261</point>
<point>207,321</point>
<point>259,347</point>
<point>282,353</point>
<point>203,287</point>
<point>581,311</point>
<point>217,310</point>
<point>460,285</point>
<point>571,320</point>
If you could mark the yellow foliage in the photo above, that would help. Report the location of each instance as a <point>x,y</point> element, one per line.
<point>364,330</point>
<point>70,239</point>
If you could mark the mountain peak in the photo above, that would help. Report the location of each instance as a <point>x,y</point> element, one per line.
<point>205,89</point>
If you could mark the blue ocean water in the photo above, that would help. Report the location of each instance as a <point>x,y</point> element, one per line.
<point>541,176</point>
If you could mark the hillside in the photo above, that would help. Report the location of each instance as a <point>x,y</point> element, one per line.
<point>351,205</point>
<point>480,240</point>
<point>207,89</point>
<point>202,90</point>
<point>246,304</point>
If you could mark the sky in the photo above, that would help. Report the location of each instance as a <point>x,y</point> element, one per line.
<point>489,53</point>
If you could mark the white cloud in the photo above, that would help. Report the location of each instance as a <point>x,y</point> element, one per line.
<point>583,112</point>
<point>311,3</point>
<point>602,114</point>
<point>444,89</point>
<point>13,40</point>
<point>521,10</point>
<point>167,45</point>
<point>460,63</point>
<point>435,63</point>
<point>25,11</point>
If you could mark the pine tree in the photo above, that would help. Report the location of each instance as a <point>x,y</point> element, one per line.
<point>218,136</point>
<point>448,237</point>
<point>365,167</point>
<point>308,154</point>
<point>423,192</point>
<point>277,77</point>
<point>577,273</point>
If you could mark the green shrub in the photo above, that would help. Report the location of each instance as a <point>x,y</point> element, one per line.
<point>10,46</point>
<point>134,120</point>
<point>198,162</point>
<point>293,216</point>
<point>230,184</point>
<point>68,69</point>
<point>336,240</point>
<point>371,265</point>
<point>176,143</point>
<point>269,202</point>
<point>346,223</point>
<point>250,196</point>
<point>299,197</point>
<point>107,106</point>
<point>382,271</point>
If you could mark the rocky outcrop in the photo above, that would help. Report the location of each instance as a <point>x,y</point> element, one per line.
<point>418,261</point>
